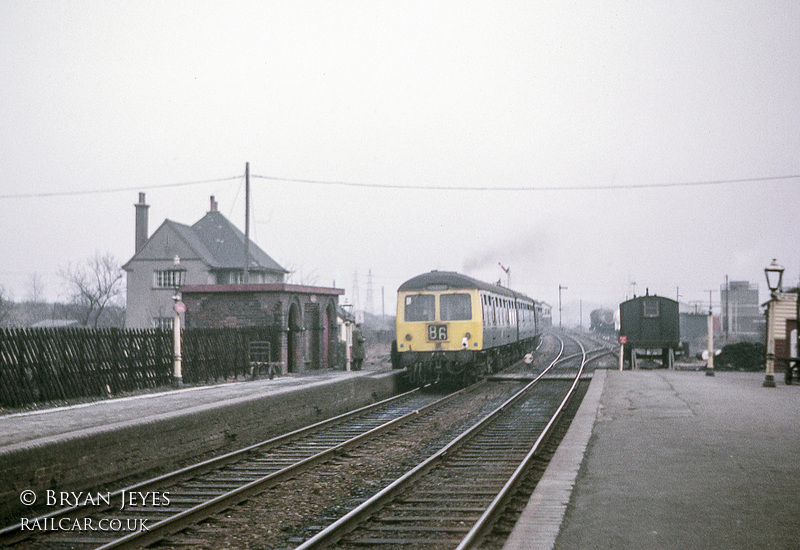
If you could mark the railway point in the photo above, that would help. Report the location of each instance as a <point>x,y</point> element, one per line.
<point>665,459</point>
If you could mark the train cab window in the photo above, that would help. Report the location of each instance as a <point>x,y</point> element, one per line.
<point>420,307</point>
<point>455,307</point>
<point>650,308</point>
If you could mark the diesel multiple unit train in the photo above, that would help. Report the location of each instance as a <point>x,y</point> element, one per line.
<point>455,328</point>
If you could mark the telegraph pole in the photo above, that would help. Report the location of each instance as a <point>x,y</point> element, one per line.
<point>710,349</point>
<point>246,223</point>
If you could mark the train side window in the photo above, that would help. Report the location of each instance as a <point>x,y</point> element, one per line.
<point>650,308</point>
<point>455,307</point>
<point>420,307</point>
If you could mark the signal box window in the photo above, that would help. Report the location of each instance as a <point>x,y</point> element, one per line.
<point>419,308</point>
<point>167,278</point>
<point>455,307</point>
<point>650,308</point>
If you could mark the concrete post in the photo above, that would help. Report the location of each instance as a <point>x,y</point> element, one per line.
<point>177,368</point>
<point>769,377</point>
<point>710,365</point>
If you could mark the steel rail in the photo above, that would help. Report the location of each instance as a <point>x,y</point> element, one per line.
<point>335,531</point>
<point>487,520</point>
<point>15,533</point>
<point>177,522</point>
<point>215,462</point>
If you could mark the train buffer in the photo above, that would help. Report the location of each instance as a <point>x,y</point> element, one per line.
<point>260,354</point>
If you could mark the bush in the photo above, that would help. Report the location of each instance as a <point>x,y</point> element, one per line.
<point>744,356</point>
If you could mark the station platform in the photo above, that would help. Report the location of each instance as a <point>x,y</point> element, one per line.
<point>37,426</point>
<point>672,460</point>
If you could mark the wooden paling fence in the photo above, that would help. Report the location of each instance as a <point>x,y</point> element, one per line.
<point>44,365</point>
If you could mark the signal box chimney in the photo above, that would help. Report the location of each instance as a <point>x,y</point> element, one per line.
<point>141,222</point>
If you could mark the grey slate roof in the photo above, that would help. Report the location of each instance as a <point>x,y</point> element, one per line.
<point>223,245</point>
<point>218,243</point>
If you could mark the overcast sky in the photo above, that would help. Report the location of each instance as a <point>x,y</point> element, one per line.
<point>561,125</point>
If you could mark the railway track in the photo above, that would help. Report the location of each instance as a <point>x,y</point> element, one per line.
<point>188,495</point>
<point>452,499</point>
<point>204,490</point>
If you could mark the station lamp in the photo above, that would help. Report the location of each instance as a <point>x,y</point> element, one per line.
<point>774,274</point>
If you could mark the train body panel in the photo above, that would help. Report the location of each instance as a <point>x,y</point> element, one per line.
<point>438,321</point>
<point>452,326</point>
<point>650,324</point>
<point>544,316</point>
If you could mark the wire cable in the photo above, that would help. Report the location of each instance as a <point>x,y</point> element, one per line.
<point>408,187</point>
<point>528,189</point>
<point>115,190</point>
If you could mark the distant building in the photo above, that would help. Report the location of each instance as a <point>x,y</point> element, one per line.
<point>741,314</point>
<point>693,326</point>
<point>212,251</point>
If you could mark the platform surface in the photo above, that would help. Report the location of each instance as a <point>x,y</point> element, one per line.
<point>28,427</point>
<point>673,460</point>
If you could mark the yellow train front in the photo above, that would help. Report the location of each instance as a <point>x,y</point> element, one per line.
<point>455,328</point>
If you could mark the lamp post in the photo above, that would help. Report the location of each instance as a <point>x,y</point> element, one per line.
<point>774,274</point>
<point>347,307</point>
<point>560,288</point>
<point>177,275</point>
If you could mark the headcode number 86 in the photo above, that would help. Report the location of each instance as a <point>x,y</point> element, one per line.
<point>437,332</point>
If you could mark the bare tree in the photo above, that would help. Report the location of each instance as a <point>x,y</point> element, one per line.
<point>93,285</point>
<point>6,308</point>
<point>36,287</point>
<point>296,276</point>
